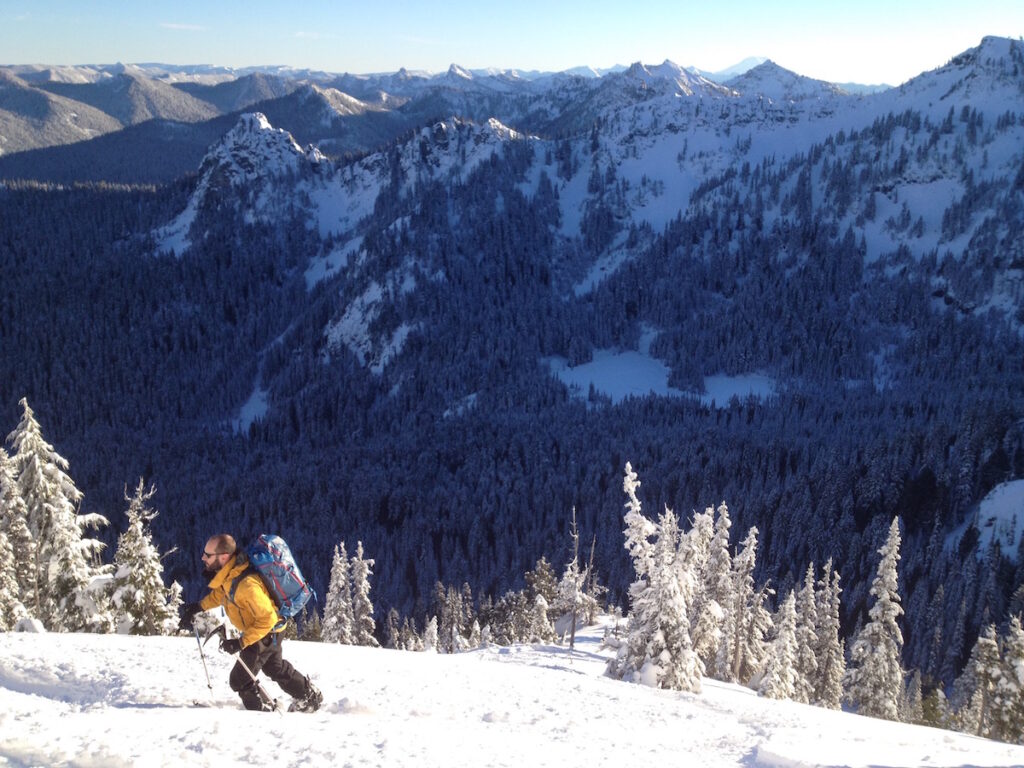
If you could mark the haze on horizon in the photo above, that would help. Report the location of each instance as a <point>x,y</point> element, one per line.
<point>874,42</point>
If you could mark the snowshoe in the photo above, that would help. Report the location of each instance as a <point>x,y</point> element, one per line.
<point>310,702</point>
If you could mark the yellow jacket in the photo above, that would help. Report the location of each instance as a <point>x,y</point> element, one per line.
<point>252,611</point>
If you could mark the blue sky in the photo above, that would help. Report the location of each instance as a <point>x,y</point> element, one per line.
<point>866,42</point>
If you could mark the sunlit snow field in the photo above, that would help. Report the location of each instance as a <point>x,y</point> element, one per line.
<point>102,700</point>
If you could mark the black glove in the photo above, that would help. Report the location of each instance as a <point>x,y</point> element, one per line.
<point>232,645</point>
<point>188,612</point>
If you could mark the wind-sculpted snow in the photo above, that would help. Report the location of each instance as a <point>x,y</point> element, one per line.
<point>114,700</point>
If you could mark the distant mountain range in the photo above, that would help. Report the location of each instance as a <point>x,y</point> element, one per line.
<point>51,106</point>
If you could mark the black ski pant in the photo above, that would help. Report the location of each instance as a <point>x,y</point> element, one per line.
<point>265,655</point>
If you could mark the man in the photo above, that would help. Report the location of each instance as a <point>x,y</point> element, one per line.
<point>250,608</point>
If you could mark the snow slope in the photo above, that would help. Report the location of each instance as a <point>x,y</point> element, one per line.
<point>103,700</point>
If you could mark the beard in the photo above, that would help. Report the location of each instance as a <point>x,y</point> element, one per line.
<point>209,573</point>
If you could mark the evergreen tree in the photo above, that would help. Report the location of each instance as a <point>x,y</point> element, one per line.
<point>12,526</point>
<point>363,626</point>
<point>639,529</point>
<point>935,709</point>
<point>779,675</point>
<point>408,639</point>
<point>747,621</point>
<point>975,688</point>
<point>476,637</point>
<point>11,609</point>
<point>541,581</point>
<point>449,619</point>
<point>718,592</point>
<point>831,660</point>
<point>638,534</point>
<point>912,704</point>
<point>806,640</point>
<point>338,616</point>
<point>65,561</point>
<point>658,651</point>
<point>541,630</point>
<point>430,635</point>
<point>705,612</point>
<point>670,652</point>
<point>142,605</point>
<point>468,611</point>
<point>310,626</point>
<point>572,604</point>
<point>874,679</point>
<point>1008,697</point>
<point>392,629</point>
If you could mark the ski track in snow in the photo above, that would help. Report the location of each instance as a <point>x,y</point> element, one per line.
<point>108,700</point>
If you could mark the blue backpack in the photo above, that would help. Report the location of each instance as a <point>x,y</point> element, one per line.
<point>270,557</point>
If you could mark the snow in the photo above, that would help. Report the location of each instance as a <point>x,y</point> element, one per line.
<point>1000,517</point>
<point>254,409</point>
<point>619,374</point>
<point>116,700</point>
<point>616,374</point>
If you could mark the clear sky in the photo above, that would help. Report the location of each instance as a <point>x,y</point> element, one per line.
<point>871,41</point>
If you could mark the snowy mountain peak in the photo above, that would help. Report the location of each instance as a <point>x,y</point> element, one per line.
<point>252,155</point>
<point>989,74</point>
<point>670,76</point>
<point>768,80</point>
<point>455,72</point>
<point>777,83</point>
<point>253,148</point>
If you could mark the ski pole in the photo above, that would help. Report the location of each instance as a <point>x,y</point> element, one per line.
<point>202,656</point>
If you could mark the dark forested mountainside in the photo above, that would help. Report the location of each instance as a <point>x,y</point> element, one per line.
<point>873,273</point>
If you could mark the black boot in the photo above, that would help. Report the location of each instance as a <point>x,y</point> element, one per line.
<point>255,699</point>
<point>310,702</point>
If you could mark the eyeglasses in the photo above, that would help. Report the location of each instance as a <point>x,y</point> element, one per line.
<point>208,555</point>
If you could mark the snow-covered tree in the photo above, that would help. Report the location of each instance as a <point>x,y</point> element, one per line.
<point>874,677</point>
<point>12,523</point>
<point>310,626</point>
<point>337,622</point>
<point>779,677</point>
<point>142,605</point>
<point>65,560</point>
<point>363,626</point>
<point>572,604</point>
<point>541,630</point>
<point>638,534</point>
<point>476,635</point>
<point>658,650</point>
<point>935,709</point>
<point>430,635</point>
<point>829,652</point>
<point>408,639</point>
<point>747,620</point>
<point>806,640</point>
<point>670,650</point>
<point>976,686</point>
<point>912,704</point>
<point>1008,697</point>
<point>639,529</point>
<point>542,581</point>
<point>11,609</point>
<point>717,594</point>
<point>699,552</point>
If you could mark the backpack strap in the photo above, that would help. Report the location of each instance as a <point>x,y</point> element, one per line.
<point>249,571</point>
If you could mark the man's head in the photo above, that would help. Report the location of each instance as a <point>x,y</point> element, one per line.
<point>218,550</point>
